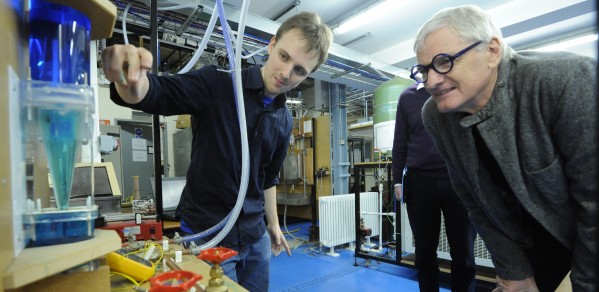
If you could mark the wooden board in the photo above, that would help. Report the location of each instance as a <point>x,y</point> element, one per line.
<point>323,154</point>
<point>81,281</point>
<point>37,263</point>
<point>309,165</point>
<point>101,13</point>
<point>12,60</point>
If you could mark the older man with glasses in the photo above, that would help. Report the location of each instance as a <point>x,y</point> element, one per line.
<point>519,133</point>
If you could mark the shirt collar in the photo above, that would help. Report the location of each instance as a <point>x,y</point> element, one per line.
<point>253,81</point>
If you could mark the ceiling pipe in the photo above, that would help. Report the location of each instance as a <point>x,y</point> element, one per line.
<point>357,39</point>
<point>295,4</point>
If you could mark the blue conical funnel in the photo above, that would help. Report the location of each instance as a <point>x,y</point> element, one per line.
<point>60,129</point>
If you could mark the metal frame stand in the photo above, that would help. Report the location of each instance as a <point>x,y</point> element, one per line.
<point>359,253</point>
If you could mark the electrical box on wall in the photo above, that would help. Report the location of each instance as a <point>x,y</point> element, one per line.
<point>305,125</point>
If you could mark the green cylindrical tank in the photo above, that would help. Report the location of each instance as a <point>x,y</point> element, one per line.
<point>386,96</point>
<point>385,106</point>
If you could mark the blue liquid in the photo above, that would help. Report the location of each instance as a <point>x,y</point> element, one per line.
<point>57,228</point>
<point>60,129</point>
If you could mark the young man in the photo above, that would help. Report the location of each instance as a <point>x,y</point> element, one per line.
<point>299,47</point>
<point>519,133</point>
<point>428,193</point>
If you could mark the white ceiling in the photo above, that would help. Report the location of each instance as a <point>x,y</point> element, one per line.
<point>524,23</point>
<point>388,48</point>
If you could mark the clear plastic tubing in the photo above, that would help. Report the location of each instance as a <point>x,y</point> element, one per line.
<point>238,89</point>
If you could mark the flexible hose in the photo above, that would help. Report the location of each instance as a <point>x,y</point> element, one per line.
<point>255,52</point>
<point>204,233</point>
<point>203,44</point>
<point>124,22</point>
<point>235,65</point>
<point>240,108</point>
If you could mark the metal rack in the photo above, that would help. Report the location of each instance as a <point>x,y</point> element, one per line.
<point>359,170</point>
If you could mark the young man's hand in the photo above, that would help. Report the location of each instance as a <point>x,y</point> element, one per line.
<point>126,66</point>
<point>278,241</point>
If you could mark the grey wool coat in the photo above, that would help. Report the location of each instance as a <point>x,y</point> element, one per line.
<point>541,126</point>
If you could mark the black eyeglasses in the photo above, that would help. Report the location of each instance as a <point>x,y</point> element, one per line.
<point>442,64</point>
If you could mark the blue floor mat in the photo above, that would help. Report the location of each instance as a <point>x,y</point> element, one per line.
<point>309,268</point>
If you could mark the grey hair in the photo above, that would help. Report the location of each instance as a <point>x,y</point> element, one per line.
<point>469,22</point>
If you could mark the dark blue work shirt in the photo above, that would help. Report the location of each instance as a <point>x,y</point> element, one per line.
<point>412,145</point>
<point>214,173</point>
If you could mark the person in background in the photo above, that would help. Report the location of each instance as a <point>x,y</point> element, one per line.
<point>299,47</point>
<point>519,133</point>
<point>422,182</point>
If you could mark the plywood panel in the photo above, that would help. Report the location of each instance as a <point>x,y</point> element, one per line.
<point>322,142</point>
<point>101,13</point>
<point>309,165</point>
<point>37,263</point>
<point>11,60</point>
<point>98,280</point>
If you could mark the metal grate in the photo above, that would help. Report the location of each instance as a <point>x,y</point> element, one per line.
<point>481,254</point>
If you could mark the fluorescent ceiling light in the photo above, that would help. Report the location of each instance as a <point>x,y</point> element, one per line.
<point>294,101</point>
<point>370,14</point>
<point>560,46</point>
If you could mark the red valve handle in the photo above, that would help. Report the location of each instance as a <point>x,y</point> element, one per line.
<point>174,281</point>
<point>216,255</point>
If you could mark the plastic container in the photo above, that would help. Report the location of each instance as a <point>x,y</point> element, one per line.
<point>59,116</point>
<point>50,226</point>
<point>59,43</point>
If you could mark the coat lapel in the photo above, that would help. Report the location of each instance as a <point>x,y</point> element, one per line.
<point>498,130</point>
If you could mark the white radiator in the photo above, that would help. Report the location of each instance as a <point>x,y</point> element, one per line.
<point>482,257</point>
<point>336,215</point>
